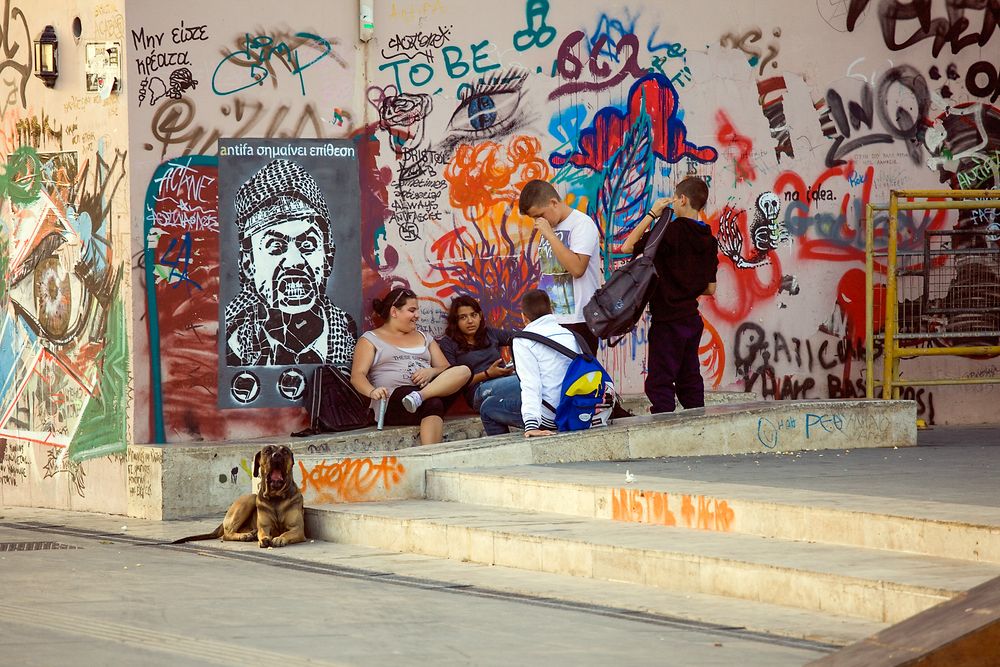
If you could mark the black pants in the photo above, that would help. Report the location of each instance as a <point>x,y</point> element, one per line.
<point>397,415</point>
<point>673,369</point>
<point>582,329</point>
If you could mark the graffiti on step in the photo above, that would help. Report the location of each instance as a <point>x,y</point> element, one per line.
<point>351,480</point>
<point>701,512</point>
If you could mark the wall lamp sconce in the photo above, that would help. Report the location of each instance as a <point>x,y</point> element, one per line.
<point>47,56</point>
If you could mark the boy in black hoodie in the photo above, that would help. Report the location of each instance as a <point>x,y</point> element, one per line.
<point>686,263</point>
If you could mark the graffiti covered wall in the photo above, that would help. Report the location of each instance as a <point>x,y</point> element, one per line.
<point>202,74</point>
<point>455,109</point>
<point>615,104</point>
<point>64,320</point>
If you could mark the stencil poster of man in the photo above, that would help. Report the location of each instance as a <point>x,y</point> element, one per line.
<point>291,311</point>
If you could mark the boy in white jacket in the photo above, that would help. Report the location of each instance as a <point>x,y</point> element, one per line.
<point>539,368</point>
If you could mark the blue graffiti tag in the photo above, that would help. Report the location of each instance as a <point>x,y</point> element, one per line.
<point>178,257</point>
<point>256,56</point>
<point>829,423</point>
<point>537,33</point>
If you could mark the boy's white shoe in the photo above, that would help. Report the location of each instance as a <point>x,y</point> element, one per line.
<point>602,416</point>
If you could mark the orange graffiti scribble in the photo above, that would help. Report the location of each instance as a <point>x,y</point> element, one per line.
<point>712,354</point>
<point>641,507</point>
<point>487,262</point>
<point>8,133</point>
<point>638,506</point>
<point>351,480</point>
<point>485,174</point>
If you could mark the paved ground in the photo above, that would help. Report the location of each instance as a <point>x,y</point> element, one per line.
<point>122,596</point>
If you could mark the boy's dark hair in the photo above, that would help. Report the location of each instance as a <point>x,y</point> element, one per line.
<point>536,193</point>
<point>534,304</point>
<point>695,189</point>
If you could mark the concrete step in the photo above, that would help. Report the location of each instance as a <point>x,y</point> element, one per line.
<point>593,595</point>
<point>945,530</point>
<point>871,584</point>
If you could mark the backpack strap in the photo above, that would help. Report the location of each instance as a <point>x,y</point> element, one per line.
<point>652,236</point>
<point>558,347</point>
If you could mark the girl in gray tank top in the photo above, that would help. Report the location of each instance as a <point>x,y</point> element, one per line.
<point>405,367</point>
<point>394,366</point>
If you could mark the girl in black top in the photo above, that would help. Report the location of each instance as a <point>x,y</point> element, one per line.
<point>468,341</point>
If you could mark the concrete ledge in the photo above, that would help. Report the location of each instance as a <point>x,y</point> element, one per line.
<point>171,481</point>
<point>176,481</point>
<point>731,429</point>
<point>639,404</point>
<point>182,481</point>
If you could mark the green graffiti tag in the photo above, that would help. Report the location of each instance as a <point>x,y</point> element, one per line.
<point>103,425</point>
<point>21,179</point>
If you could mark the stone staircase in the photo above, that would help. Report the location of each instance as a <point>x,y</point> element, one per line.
<point>174,481</point>
<point>791,562</point>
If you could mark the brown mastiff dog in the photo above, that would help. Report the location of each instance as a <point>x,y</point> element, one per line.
<point>272,516</point>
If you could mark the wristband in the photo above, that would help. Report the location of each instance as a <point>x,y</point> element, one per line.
<point>487,374</point>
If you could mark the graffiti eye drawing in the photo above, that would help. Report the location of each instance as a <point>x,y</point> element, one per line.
<point>489,108</point>
<point>48,295</point>
<point>307,244</point>
<point>276,246</point>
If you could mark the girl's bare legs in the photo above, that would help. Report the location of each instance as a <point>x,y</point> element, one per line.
<point>430,430</point>
<point>447,383</point>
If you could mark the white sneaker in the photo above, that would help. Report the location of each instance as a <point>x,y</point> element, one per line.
<point>413,401</point>
<point>602,417</point>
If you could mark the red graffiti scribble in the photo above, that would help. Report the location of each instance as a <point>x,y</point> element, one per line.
<point>638,506</point>
<point>851,299</point>
<point>351,480</point>
<point>485,174</point>
<point>743,288</point>
<point>188,318</point>
<point>600,141</point>
<point>375,181</point>
<point>712,353</point>
<point>739,144</point>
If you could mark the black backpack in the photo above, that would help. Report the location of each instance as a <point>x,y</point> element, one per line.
<point>334,404</point>
<point>618,304</point>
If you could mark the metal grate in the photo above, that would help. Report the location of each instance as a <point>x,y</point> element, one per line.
<point>962,286</point>
<point>34,546</point>
<point>948,294</point>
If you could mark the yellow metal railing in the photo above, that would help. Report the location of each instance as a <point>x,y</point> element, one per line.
<point>892,351</point>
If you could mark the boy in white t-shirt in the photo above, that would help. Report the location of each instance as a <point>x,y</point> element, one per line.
<point>569,253</point>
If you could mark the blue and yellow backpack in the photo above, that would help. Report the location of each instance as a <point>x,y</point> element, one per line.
<point>583,385</point>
